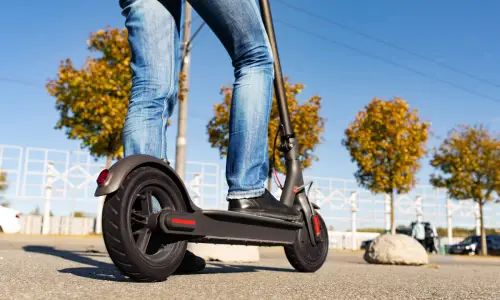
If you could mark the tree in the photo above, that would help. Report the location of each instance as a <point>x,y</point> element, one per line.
<point>306,121</point>
<point>79,214</point>
<point>469,162</point>
<point>3,187</point>
<point>36,212</point>
<point>3,180</point>
<point>93,101</point>
<point>387,140</point>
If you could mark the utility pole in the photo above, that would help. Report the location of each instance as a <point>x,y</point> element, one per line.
<point>180,152</point>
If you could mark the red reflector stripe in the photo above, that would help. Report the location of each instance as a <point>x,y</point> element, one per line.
<point>185,222</point>
<point>317,227</point>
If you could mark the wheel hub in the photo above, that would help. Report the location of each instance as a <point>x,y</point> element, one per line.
<point>144,221</point>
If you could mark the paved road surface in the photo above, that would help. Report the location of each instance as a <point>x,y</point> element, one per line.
<point>64,268</point>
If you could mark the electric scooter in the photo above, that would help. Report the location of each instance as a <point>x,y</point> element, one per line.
<point>148,244</point>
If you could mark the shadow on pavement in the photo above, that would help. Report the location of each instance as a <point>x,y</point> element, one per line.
<point>96,270</point>
<point>107,271</point>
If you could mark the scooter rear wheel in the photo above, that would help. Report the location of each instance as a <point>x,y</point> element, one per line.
<point>305,257</point>
<point>139,251</point>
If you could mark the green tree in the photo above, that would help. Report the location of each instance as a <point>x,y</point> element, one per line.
<point>306,121</point>
<point>387,140</point>
<point>469,164</point>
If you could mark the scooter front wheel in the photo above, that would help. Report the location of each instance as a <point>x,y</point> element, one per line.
<point>305,257</point>
<point>138,249</point>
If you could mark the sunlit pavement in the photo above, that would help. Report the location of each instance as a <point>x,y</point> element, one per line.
<point>35,267</point>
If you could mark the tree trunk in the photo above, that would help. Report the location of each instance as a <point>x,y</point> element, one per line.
<point>108,161</point>
<point>484,247</point>
<point>393,225</point>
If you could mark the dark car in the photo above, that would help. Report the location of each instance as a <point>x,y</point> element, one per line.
<point>472,245</point>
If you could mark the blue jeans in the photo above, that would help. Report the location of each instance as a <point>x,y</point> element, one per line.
<point>153,33</point>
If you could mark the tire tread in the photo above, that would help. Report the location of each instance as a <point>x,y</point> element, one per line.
<point>294,256</point>
<point>112,234</point>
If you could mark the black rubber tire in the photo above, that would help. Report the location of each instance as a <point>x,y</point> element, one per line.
<point>302,255</point>
<point>117,227</point>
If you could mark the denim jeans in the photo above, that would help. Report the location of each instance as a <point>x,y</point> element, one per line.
<point>153,33</point>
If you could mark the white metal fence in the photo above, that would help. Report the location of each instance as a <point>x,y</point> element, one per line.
<point>59,225</point>
<point>63,182</point>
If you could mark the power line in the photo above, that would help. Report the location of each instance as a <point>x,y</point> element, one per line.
<point>371,55</point>
<point>19,81</point>
<point>387,61</point>
<point>389,44</point>
<point>189,46</point>
<point>30,83</point>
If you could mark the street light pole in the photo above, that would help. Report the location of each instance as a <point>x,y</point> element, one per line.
<point>180,153</point>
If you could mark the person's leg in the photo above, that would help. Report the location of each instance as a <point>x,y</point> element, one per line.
<point>154,43</point>
<point>239,27</point>
<point>434,245</point>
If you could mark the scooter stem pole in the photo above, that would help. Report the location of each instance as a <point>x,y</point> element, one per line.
<point>279,86</point>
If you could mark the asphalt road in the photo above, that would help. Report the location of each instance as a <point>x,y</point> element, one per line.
<point>79,268</point>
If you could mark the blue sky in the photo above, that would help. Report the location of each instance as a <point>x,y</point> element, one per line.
<point>37,34</point>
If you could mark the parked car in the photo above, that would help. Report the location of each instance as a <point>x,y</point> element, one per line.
<point>366,244</point>
<point>472,245</point>
<point>9,220</point>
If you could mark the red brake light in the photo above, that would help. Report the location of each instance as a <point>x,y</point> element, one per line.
<point>317,225</point>
<point>102,176</point>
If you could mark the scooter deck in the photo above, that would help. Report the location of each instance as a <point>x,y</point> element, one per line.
<point>227,227</point>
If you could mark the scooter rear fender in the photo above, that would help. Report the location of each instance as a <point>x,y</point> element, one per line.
<point>123,167</point>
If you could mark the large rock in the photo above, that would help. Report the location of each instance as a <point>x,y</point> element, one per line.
<point>225,253</point>
<point>396,249</point>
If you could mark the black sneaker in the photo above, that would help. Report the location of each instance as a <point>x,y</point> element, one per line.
<point>190,264</point>
<point>266,206</point>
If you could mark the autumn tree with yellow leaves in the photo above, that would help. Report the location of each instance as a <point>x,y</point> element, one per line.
<point>468,162</point>
<point>3,180</point>
<point>386,140</point>
<point>3,186</point>
<point>307,124</point>
<point>93,101</point>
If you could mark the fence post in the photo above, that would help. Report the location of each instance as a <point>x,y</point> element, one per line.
<point>387,201</point>
<point>48,198</point>
<point>449,214</point>
<point>354,209</point>
<point>195,187</point>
